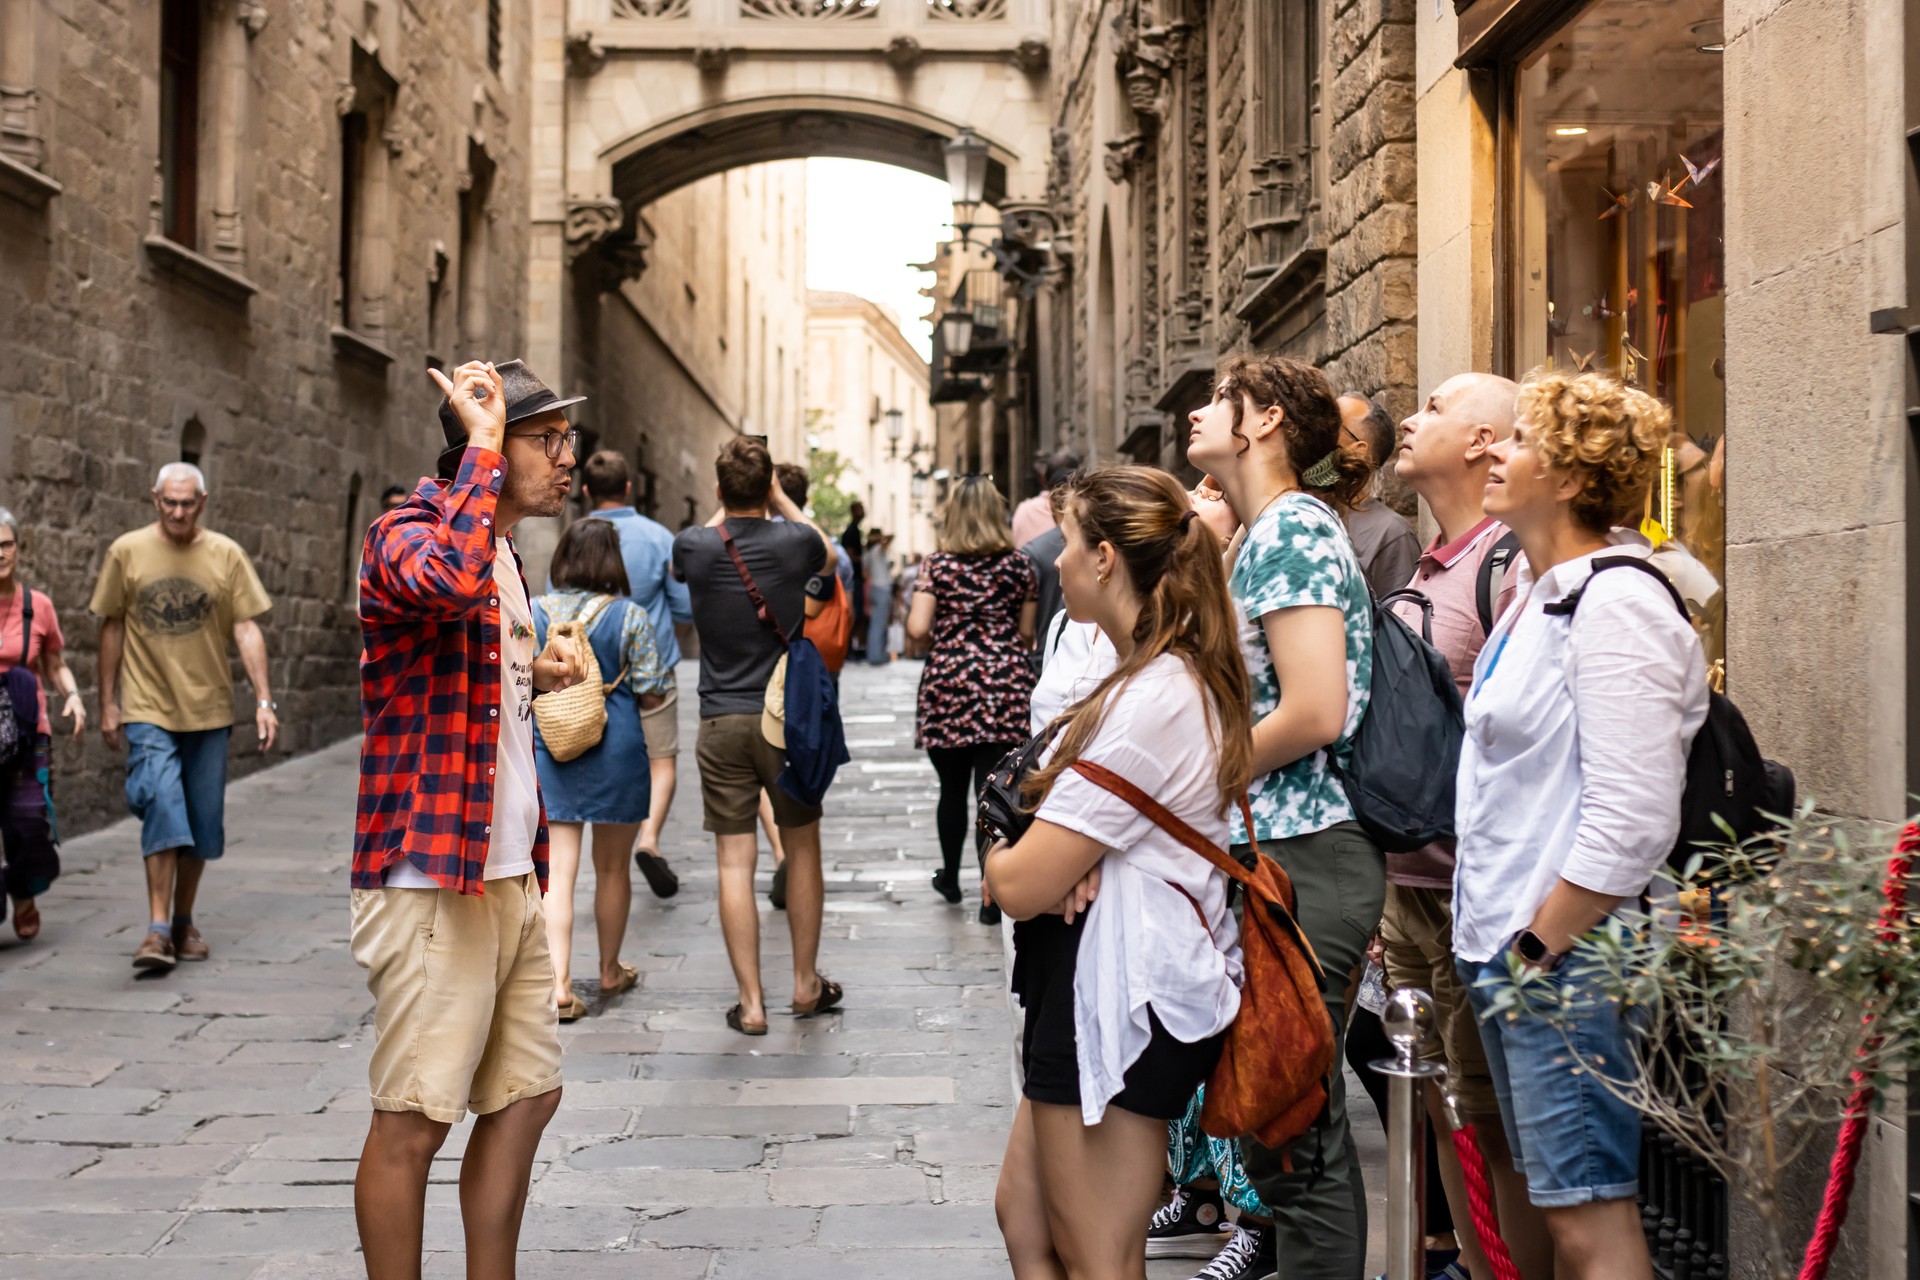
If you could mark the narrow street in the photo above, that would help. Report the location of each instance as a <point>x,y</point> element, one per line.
<point>205,1124</point>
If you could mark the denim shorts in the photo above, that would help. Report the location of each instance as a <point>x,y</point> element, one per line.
<point>177,787</point>
<point>1575,1141</point>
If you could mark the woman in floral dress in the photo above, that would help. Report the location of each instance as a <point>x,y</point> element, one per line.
<point>976,597</point>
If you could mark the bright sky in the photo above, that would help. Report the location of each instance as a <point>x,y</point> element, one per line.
<point>865,223</point>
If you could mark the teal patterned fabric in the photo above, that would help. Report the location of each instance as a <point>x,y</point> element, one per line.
<point>1298,554</point>
<point>1193,1155</point>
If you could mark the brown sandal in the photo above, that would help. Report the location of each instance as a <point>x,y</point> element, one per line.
<point>831,993</point>
<point>743,1027</point>
<point>573,1010</point>
<point>26,920</point>
<point>628,977</point>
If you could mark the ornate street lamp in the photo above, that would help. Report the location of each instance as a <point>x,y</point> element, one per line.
<point>967,154</point>
<point>896,423</point>
<point>956,331</point>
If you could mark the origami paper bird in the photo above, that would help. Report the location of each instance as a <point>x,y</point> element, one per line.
<point>1659,193</point>
<point>1582,363</point>
<point>1697,174</point>
<point>1618,202</point>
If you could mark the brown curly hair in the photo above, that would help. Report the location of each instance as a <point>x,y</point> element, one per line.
<point>1611,435</point>
<point>1311,424</point>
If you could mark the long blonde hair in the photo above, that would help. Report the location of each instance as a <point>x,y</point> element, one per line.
<point>974,520</point>
<point>1173,561</point>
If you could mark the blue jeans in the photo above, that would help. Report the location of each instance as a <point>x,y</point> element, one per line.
<point>1571,1136</point>
<point>879,613</point>
<point>177,787</point>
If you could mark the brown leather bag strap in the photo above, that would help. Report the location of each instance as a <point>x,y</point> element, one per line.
<point>1162,817</point>
<point>753,588</point>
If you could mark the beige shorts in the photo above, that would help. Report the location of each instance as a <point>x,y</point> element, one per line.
<point>1416,933</point>
<point>736,764</point>
<point>662,724</point>
<point>462,987</point>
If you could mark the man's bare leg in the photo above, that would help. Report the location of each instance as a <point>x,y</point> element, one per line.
<point>390,1191</point>
<point>162,869</point>
<point>806,896</point>
<point>493,1181</point>
<point>740,919</point>
<point>186,882</point>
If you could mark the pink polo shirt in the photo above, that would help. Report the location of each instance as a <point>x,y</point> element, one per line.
<point>1448,574</point>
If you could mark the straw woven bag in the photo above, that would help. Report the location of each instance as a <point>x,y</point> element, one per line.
<point>573,720</point>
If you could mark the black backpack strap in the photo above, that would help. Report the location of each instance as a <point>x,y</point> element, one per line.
<point>1416,598</point>
<point>1498,557</point>
<point>26,618</point>
<point>1565,606</point>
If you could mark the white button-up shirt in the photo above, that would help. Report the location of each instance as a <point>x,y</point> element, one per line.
<point>1576,749</point>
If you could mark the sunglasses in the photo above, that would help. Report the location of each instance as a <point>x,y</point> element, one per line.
<point>554,442</point>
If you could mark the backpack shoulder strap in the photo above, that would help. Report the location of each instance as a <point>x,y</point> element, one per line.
<point>1498,557</point>
<point>753,588</point>
<point>1164,818</point>
<point>1565,606</point>
<point>26,618</point>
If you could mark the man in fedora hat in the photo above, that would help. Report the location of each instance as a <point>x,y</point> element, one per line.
<point>450,845</point>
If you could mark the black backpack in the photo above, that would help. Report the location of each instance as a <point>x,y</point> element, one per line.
<point>1399,774</point>
<point>1727,777</point>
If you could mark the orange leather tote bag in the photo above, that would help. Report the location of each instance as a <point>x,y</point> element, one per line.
<point>1271,1080</point>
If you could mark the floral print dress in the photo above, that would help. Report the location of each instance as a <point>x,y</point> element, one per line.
<point>978,682</point>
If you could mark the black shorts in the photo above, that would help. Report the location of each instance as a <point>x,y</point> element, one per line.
<point>1160,1082</point>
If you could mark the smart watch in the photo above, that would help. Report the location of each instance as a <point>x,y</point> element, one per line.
<point>1534,950</point>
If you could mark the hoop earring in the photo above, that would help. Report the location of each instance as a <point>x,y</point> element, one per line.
<point>1104,578</point>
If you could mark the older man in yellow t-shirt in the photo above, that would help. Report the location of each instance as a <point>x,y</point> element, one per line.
<point>170,597</point>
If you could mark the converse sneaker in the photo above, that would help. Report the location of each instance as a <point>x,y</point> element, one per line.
<point>1191,1225</point>
<point>1249,1255</point>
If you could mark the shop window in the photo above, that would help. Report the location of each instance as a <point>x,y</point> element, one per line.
<point>193,442</point>
<point>1618,225</point>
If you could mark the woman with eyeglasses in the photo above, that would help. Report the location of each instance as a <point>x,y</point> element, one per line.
<point>976,598</point>
<point>32,660</point>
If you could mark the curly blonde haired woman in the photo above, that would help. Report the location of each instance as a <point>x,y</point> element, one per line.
<point>1578,727</point>
<point>976,597</point>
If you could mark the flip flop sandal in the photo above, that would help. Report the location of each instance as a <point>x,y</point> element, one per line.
<point>744,1028</point>
<point>628,976</point>
<point>831,993</point>
<point>573,1010</point>
<point>26,921</point>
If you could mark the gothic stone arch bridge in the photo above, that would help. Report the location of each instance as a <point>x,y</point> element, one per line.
<point>636,98</point>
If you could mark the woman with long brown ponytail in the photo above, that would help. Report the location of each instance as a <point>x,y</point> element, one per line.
<point>1127,959</point>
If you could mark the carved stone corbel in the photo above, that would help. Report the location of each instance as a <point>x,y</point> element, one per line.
<point>1033,56</point>
<point>600,246</point>
<point>394,140</point>
<point>343,97</point>
<point>1123,155</point>
<point>585,57</point>
<point>904,53</point>
<point>712,59</point>
<point>252,15</point>
<point>590,221</point>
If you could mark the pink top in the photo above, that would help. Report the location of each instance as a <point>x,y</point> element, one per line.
<point>46,639</point>
<point>1031,519</point>
<point>1448,574</point>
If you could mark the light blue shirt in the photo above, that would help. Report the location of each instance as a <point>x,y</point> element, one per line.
<point>647,548</point>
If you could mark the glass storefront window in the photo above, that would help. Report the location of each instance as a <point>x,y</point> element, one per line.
<point>1619,265</point>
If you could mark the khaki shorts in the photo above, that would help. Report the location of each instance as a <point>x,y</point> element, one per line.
<point>1416,933</point>
<point>462,987</point>
<point>662,724</point>
<point>736,764</point>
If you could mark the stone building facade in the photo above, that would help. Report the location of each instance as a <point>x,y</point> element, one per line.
<point>1226,175</point>
<point>237,233</point>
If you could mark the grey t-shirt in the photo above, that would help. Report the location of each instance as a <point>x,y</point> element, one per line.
<point>1044,549</point>
<point>737,653</point>
<point>1388,548</point>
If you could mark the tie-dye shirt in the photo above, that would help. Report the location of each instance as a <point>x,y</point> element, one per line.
<point>1298,553</point>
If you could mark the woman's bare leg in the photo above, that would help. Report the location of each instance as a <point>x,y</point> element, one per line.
<point>612,892</point>
<point>1019,1202</point>
<point>1101,1186</point>
<point>563,868</point>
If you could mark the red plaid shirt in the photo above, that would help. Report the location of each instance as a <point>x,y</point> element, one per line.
<point>430,684</point>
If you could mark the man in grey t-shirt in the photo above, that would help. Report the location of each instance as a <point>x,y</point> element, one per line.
<point>738,653</point>
<point>1385,542</point>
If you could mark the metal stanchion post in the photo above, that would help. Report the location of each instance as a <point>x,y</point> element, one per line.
<point>1408,1021</point>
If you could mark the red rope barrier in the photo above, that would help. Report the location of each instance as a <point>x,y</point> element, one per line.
<point>1486,1219</point>
<point>1846,1152</point>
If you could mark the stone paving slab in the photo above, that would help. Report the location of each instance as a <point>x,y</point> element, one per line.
<point>206,1123</point>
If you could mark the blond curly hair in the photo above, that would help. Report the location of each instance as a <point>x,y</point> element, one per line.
<point>1611,435</point>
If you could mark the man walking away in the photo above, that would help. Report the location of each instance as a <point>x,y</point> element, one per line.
<point>853,544</point>
<point>878,572</point>
<point>170,596</point>
<point>741,642</point>
<point>1443,456</point>
<point>647,549</point>
<point>1386,544</point>
<point>450,845</point>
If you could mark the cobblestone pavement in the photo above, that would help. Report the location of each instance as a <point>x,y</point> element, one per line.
<point>205,1124</point>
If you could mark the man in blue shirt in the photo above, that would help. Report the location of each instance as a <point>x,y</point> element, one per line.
<point>647,548</point>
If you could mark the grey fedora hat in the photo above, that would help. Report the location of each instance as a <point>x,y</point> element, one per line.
<point>527,397</point>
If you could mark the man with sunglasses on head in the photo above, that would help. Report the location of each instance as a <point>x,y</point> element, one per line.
<point>450,845</point>
<point>170,597</point>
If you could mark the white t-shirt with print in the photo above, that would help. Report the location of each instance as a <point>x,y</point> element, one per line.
<point>516,786</point>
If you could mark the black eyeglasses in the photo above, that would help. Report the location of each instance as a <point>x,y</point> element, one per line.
<point>178,504</point>
<point>553,442</point>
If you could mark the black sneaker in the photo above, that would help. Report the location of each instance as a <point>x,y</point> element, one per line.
<point>1191,1225</point>
<point>1249,1255</point>
<point>990,913</point>
<point>660,877</point>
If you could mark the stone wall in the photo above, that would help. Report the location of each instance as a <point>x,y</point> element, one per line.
<point>110,357</point>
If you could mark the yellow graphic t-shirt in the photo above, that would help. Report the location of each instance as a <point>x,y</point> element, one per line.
<point>179,605</point>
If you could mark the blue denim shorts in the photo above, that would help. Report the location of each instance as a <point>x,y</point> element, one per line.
<point>1574,1140</point>
<point>177,787</point>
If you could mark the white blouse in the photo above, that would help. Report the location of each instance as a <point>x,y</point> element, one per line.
<point>1576,749</point>
<point>1143,942</point>
<point>1079,657</point>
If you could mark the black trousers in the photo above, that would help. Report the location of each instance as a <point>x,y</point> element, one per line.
<point>963,772</point>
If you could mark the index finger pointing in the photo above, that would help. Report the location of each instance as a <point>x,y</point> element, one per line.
<point>446,387</point>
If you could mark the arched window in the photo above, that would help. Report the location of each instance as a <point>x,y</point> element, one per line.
<point>193,442</point>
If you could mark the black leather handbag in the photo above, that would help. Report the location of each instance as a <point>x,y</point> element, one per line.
<point>1003,811</point>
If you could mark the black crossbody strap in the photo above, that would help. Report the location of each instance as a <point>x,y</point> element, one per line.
<point>26,619</point>
<point>761,608</point>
